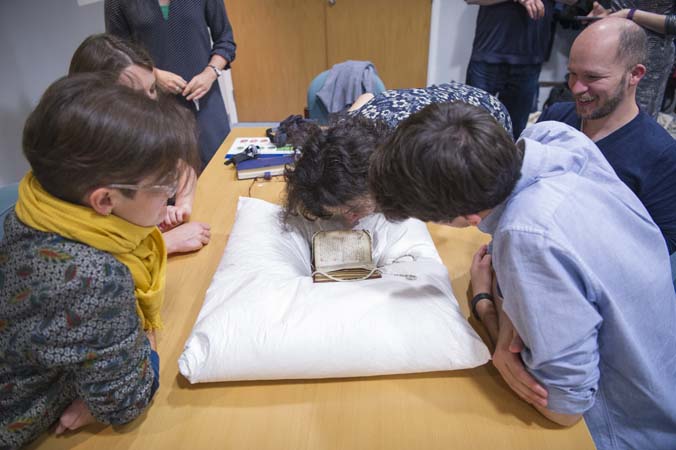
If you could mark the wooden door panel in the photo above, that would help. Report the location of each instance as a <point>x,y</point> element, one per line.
<point>393,34</point>
<point>281,46</point>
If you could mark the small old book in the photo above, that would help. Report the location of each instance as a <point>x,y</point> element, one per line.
<point>263,167</point>
<point>343,255</point>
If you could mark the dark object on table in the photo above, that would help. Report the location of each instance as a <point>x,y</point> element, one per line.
<point>293,130</point>
<point>251,152</point>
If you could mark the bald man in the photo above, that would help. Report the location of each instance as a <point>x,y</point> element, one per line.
<point>605,66</point>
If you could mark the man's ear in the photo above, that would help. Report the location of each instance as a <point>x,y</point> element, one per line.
<point>473,219</point>
<point>636,74</point>
<point>100,200</point>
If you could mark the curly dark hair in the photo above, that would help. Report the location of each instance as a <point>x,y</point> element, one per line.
<point>447,160</point>
<point>333,167</point>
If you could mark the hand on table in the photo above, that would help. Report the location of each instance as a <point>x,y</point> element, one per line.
<point>535,8</point>
<point>187,237</point>
<point>481,271</point>
<point>170,82</point>
<point>75,416</point>
<point>508,344</point>
<point>507,360</point>
<point>175,216</point>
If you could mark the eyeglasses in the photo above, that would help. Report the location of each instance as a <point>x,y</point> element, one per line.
<point>168,190</point>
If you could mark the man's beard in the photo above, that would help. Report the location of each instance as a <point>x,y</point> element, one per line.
<point>611,104</point>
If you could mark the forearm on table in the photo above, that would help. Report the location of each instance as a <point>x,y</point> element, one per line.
<point>567,420</point>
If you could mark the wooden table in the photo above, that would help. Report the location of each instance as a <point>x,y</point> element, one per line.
<point>468,409</point>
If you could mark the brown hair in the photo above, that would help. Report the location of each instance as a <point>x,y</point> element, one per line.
<point>445,161</point>
<point>632,45</point>
<point>88,131</point>
<point>108,53</point>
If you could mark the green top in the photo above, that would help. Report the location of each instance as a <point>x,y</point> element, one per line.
<point>165,11</point>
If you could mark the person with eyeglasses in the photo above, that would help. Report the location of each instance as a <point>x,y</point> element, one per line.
<point>131,65</point>
<point>82,262</point>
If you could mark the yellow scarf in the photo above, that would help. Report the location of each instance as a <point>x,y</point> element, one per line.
<point>141,249</point>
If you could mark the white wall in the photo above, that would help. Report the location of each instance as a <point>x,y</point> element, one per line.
<point>37,39</point>
<point>451,36</point>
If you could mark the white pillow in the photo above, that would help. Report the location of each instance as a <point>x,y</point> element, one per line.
<point>263,318</point>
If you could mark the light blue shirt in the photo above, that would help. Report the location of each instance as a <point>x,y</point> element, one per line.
<point>586,279</point>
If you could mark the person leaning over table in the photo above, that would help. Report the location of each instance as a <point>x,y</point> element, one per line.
<point>131,65</point>
<point>582,267</point>
<point>82,264</point>
<point>330,178</point>
<point>178,34</point>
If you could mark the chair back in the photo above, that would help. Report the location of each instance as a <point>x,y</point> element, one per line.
<point>315,108</point>
<point>8,197</point>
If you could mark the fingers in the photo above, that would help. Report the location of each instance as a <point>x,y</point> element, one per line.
<point>75,416</point>
<point>60,428</point>
<point>177,84</point>
<point>205,236</point>
<point>198,94</point>
<point>197,88</point>
<point>531,11</point>
<point>540,8</point>
<point>598,10</point>
<point>480,253</point>
<point>187,237</point>
<point>175,216</point>
<point>519,380</point>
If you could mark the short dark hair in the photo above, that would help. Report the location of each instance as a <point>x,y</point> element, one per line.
<point>632,45</point>
<point>88,131</point>
<point>447,160</point>
<point>333,167</point>
<point>108,53</point>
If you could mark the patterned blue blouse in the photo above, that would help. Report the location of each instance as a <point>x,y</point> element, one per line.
<point>395,105</point>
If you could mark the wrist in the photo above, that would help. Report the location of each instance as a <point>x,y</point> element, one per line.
<point>216,71</point>
<point>209,73</point>
<point>480,303</point>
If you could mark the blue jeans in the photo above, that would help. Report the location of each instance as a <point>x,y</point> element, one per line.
<point>515,85</point>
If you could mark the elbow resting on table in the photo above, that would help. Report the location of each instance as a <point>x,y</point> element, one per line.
<point>566,420</point>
